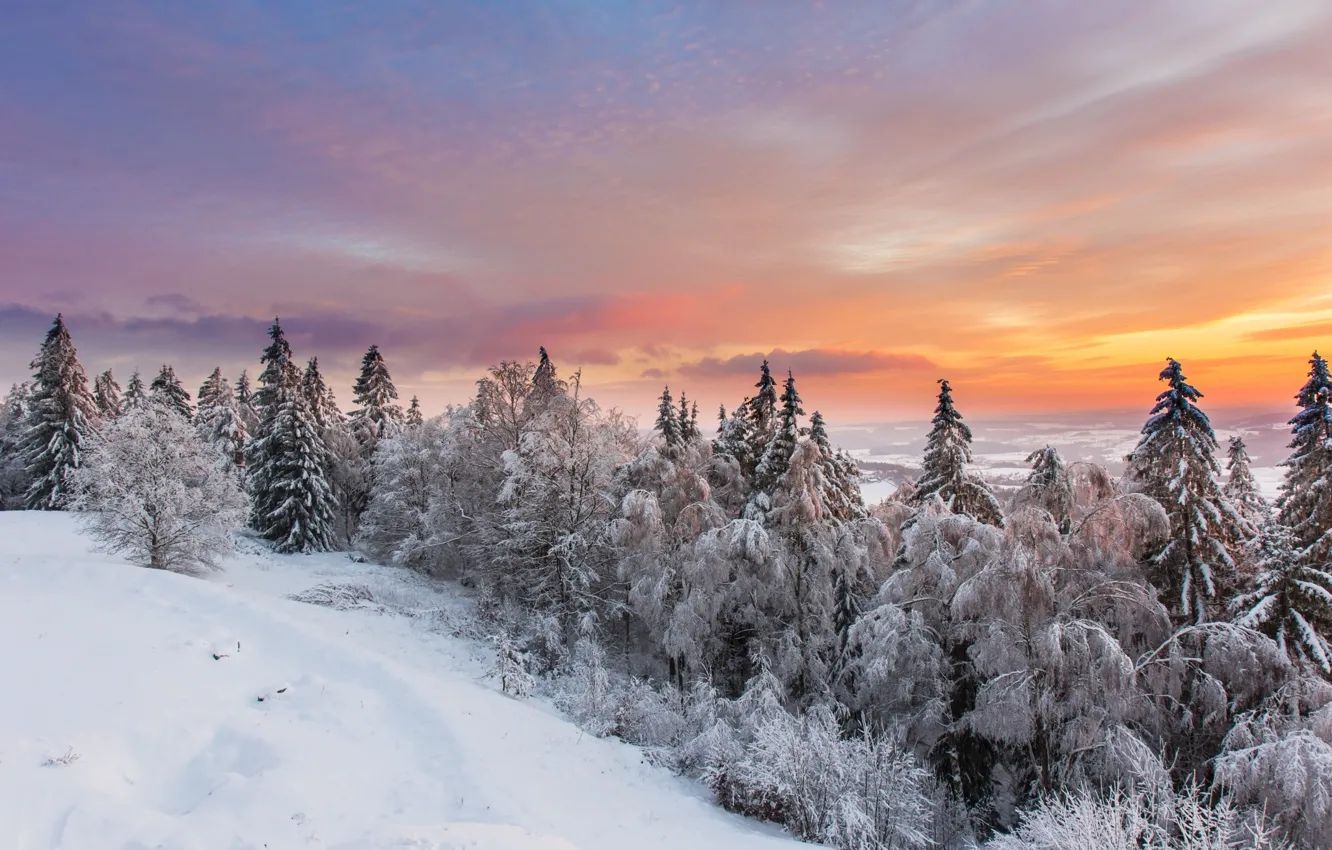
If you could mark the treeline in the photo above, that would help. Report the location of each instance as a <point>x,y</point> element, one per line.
<point>1091,662</point>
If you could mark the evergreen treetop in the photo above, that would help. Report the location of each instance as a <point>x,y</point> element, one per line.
<point>668,424</point>
<point>135,392</point>
<point>945,473</point>
<point>375,395</point>
<point>61,417</point>
<point>319,396</point>
<point>167,390</point>
<point>279,371</point>
<point>106,392</point>
<point>414,416</point>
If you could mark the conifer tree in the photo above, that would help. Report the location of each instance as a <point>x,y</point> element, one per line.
<point>1241,488</point>
<point>167,390</point>
<point>279,372</point>
<point>245,402</point>
<point>136,395</point>
<point>840,476</point>
<point>376,413</point>
<point>668,425</point>
<point>763,407</point>
<point>735,439</point>
<point>1289,601</point>
<point>945,473</point>
<point>293,505</point>
<point>687,425</point>
<point>1175,463</point>
<point>415,418</point>
<point>1305,506</point>
<point>106,392</point>
<point>693,433</point>
<point>545,382</point>
<point>61,417</point>
<point>776,456</point>
<point>319,396</point>
<point>219,422</point>
<point>14,479</point>
<point>1049,486</point>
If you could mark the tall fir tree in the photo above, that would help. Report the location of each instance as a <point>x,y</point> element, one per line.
<point>735,440</point>
<point>1289,600</point>
<point>319,396</point>
<point>1241,487</point>
<point>546,382</point>
<point>106,392</point>
<point>293,504</point>
<point>1305,504</point>
<point>167,390</point>
<point>668,423</point>
<point>279,373</point>
<point>414,417</point>
<point>14,479</point>
<point>376,414</point>
<point>61,418</point>
<point>840,476</point>
<point>763,407</point>
<point>776,457</point>
<point>136,394</point>
<point>211,391</point>
<point>945,473</point>
<point>1175,463</point>
<point>219,422</point>
<point>1049,486</point>
<point>245,401</point>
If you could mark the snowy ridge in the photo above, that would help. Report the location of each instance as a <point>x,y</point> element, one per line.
<point>312,727</point>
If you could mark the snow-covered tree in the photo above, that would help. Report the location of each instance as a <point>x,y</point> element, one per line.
<point>411,473</point>
<point>61,418</point>
<point>688,420</point>
<point>511,670</point>
<point>287,459</point>
<point>106,392</point>
<point>167,389</point>
<point>1049,485</point>
<point>945,473</point>
<point>13,423</point>
<point>287,464</point>
<point>777,453</point>
<point>1175,463</point>
<point>668,421</point>
<point>245,402</point>
<point>319,396</point>
<point>152,490</point>
<point>546,383</point>
<point>136,394</point>
<point>414,417</point>
<point>840,475</point>
<point>1241,487</point>
<point>219,423</point>
<point>735,440</point>
<point>376,413</point>
<point>1289,601</point>
<point>1305,506</point>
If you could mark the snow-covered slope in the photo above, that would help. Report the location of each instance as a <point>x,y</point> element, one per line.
<point>374,730</point>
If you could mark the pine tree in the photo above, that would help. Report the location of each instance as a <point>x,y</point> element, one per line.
<point>1049,486</point>
<point>245,402</point>
<point>1305,506</point>
<point>293,505</point>
<point>545,382</point>
<point>1175,463</point>
<point>763,406</point>
<point>688,421</point>
<point>136,395</point>
<point>167,390</point>
<point>776,456</point>
<point>319,396</point>
<point>106,392</point>
<point>735,440</point>
<point>61,416</point>
<point>1241,488</point>
<point>219,422</point>
<point>945,474</point>
<point>693,432</point>
<point>415,418</point>
<point>840,476</point>
<point>1289,601</point>
<point>376,413</point>
<point>14,479</point>
<point>668,425</point>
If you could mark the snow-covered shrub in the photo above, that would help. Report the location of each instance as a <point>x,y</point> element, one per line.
<point>153,491</point>
<point>511,669</point>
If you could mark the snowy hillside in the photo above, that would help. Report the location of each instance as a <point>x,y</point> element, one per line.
<point>146,709</point>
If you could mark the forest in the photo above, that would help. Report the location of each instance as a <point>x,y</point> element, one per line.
<point>1098,661</point>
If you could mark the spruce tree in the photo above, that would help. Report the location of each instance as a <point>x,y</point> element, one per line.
<point>376,413</point>
<point>61,417</point>
<point>1289,600</point>
<point>210,392</point>
<point>14,479</point>
<point>136,395</point>
<point>840,476</point>
<point>415,418</point>
<point>1241,488</point>
<point>1175,463</point>
<point>167,390</point>
<point>763,407</point>
<point>945,473</point>
<point>245,401</point>
<point>106,392</point>
<point>219,422</point>
<point>293,505</point>
<point>776,456</point>
<point>545,382</point>
<point>688,429</point>
<point>735,439</point>
<point>668,425</point>
<point>1305,505</point>
<point>1049,486</point>
<point>319,396</point>
<point>279,373</point>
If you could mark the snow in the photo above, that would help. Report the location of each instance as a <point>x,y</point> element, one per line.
<point>353,729</point>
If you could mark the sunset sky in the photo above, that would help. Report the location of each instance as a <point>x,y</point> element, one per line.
<point>1040,201</point>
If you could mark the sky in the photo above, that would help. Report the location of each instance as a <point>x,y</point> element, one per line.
<point>1038,201</point>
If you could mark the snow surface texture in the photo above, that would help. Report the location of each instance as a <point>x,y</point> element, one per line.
<point>144,709</point>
